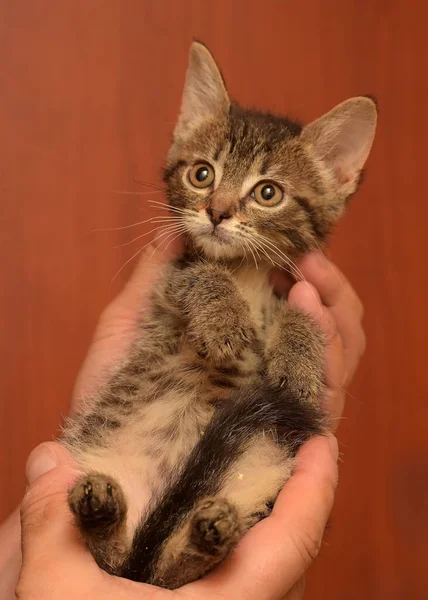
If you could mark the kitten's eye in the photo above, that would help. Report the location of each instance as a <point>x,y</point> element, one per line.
<point>201,175</point>
<point>267,194</point>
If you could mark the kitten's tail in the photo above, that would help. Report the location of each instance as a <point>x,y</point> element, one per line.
<point>244,414</point>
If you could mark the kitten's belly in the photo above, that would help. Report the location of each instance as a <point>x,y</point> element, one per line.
<point>142,454</point>
<point>169,415</point>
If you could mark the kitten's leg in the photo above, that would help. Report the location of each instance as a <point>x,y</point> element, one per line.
<point>99,506</point>
<point>294,354</point>
<point>207,294</point>
<point>210,532</point>
<point>214,526</point>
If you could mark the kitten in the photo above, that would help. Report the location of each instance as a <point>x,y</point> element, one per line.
<point>191,442</point>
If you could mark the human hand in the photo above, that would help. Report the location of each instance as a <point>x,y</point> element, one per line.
<point>266,565</point>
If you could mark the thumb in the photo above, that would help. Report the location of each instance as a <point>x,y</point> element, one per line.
<point>46,520</point>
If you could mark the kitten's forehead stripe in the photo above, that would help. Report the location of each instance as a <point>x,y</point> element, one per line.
<point>256,141</point>
<point>218,151</point>
<point>265,166</point>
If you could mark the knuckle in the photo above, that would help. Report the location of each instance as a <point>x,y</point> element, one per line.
<point>307,544</point>
<point>112,320</point>
<point>40,509</point>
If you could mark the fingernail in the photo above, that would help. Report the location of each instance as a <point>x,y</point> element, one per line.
<point>334,447</point>
<point>41,461</point>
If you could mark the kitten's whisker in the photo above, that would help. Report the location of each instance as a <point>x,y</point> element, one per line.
<point>244,257</point>
<point>276,264</point>
<point>143,248</point>
<point>148,184</point>
<point>279,253</point>
<point>265,253</point>
<point>171,241</point>
<point>255,250</point>
<point>254,256</point>
<point>159,236</point>
<point>165,226</point>
<point>132,224</point>
<point>161,218</point>
<point>127,262</point>
<point>263,248</point>
<point>297,272</point>
<point>300,277</point>
<point>171,208</point>
<point>136,193</point>
<point>170,234</point>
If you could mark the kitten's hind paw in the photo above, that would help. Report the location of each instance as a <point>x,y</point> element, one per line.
<point>98,503</point>
<point>215,527</point>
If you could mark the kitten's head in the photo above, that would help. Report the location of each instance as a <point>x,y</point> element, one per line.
<point>249,183</point>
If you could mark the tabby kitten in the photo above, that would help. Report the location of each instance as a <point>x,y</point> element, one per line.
<point>191,442</point>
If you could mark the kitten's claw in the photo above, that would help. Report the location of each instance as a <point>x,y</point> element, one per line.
<point>97,501</point>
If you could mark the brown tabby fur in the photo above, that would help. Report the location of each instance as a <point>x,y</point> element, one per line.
<point>191,442</point>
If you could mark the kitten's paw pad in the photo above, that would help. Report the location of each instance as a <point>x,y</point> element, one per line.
<point>97,501</point>
<point>215,526</point>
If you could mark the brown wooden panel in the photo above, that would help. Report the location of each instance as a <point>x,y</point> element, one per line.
<point>89,94</point>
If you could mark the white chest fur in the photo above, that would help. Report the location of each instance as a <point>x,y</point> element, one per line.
<point>256,289</point>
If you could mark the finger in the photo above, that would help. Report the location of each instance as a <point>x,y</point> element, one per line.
<point>331,284</point>
<point>275,553</point>
<point>344,304</point>
<point>46,519</point>
<point>305,297</point>
<point>118,324</point>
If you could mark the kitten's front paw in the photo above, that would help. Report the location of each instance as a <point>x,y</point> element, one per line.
<point>295,359</point>
<point>97,501</point>
<point>223,338</point>
<point>215,526</point>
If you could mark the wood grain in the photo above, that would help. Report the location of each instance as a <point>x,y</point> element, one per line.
<point>89,94</point>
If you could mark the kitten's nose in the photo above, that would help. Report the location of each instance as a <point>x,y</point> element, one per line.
<point>217,215</point>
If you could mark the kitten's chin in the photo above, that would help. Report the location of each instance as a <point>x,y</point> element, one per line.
<point>217,246</point>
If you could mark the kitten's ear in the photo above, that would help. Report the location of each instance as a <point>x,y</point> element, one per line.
<point>342,140</point>
<point>204,94</point>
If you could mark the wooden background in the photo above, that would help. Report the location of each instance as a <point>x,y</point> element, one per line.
<point>89,91</point>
